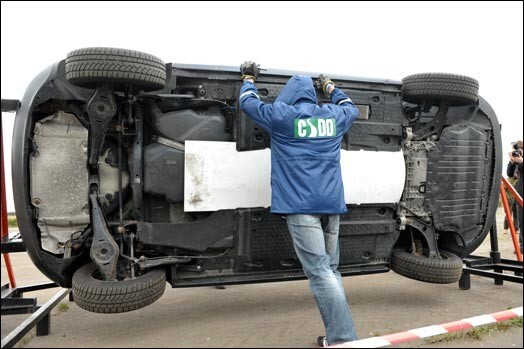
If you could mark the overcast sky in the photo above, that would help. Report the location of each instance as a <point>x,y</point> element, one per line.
<point>379,40</point>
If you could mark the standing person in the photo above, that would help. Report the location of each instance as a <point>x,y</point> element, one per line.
<point>515,170</point>
<point>306,182</point>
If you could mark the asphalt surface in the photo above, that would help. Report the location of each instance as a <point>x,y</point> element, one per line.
<point>275,314</point>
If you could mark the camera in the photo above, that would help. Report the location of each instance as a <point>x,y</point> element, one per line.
<point>515,152</point>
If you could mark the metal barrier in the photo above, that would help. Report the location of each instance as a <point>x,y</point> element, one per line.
<point>493,266</point>
<point>507,185</point>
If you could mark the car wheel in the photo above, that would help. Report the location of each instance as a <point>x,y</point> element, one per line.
<point>446,270</point>
<point>91,293</point>
<point>90,67</point>
<point>436,87</point>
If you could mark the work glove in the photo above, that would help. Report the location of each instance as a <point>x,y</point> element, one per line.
<point>324,83</point>
<point>249,70</point>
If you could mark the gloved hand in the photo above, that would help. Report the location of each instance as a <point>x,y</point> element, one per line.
<point>325,84</point>
<point>249,70</point>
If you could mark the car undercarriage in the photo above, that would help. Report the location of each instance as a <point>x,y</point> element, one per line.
<point>101,176</point>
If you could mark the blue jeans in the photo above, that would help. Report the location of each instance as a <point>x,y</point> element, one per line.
<point>318,251</point>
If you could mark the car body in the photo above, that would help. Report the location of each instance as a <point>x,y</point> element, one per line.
<point>102,174</point>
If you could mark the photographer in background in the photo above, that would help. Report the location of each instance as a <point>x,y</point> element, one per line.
<point>513,206</point>
<point>515,170</point>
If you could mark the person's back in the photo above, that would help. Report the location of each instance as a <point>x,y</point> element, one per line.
<point>306,183</point>
<point>305,146</point>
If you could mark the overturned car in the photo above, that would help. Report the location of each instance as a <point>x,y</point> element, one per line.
<point>129,172</point>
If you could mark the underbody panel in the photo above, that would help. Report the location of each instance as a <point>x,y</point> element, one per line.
<point>148,180</point>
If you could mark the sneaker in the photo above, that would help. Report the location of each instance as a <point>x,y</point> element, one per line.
<point>322,342</point>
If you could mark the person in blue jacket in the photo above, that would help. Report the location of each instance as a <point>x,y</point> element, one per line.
<point>306,182</point>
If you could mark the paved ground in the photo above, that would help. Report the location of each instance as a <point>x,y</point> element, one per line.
<point>276,314</point>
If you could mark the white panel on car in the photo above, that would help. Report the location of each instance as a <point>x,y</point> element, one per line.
<point>218,177</point>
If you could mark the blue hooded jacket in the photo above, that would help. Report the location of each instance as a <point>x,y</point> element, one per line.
<point>305,145</point>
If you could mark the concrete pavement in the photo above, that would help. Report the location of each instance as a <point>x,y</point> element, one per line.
<point>277,314</point>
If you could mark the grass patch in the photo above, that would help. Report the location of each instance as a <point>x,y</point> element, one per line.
<point>11,221</point>
<point>26,339</point>
<point>477,333</point>
<point>62,307</point>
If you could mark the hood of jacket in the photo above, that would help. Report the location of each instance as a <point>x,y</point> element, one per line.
<point>298,89</point>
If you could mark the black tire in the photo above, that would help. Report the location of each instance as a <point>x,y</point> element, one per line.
<point>438,271</point>
<point>100,296</point>
<point>89,67</point>
<point>437,87</point>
